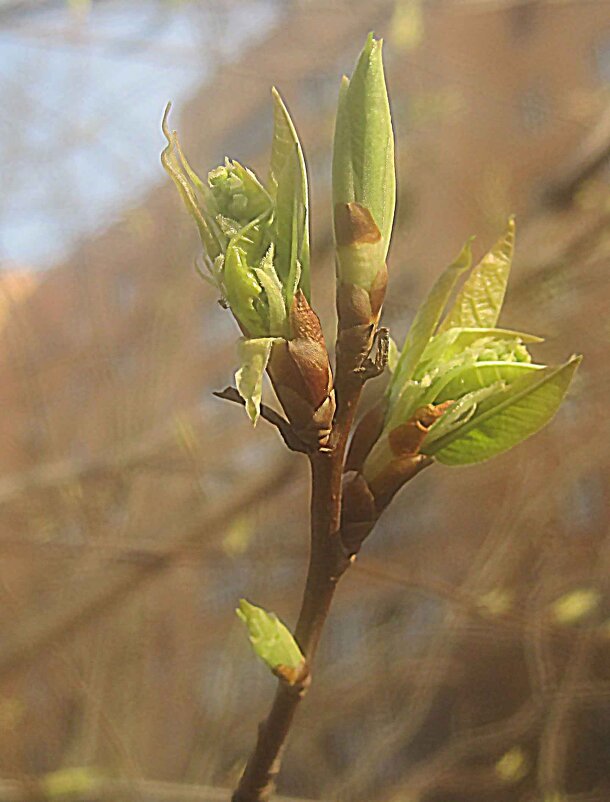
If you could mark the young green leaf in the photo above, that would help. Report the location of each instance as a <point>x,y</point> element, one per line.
<point>507,418</point>
<point>428,316</point>
<point>254,355</point>
<point>363,152</point>
<point>238,193</point>
<point>288,185</point>
<point>451,343</point>
<point>270,638</point>
<point>480,300</point>
<point>242,290</point>
<point>483,374</point>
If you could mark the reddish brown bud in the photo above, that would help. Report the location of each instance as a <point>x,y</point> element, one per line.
<point>362,279</point>
<point>366,434</point>
<point>304,322</point>
<point>396,456</point>
<point>358,512</point>
<point>386,484</point>
<point>300,373</point>
<point>353,306</point>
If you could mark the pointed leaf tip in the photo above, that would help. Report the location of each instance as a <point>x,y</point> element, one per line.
<point>480,299</point>
<point>363,151</point>
<point>288,187</point>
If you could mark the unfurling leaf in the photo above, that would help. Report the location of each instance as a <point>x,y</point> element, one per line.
<point>238,193</point>
<point>451,343</point>
<point>242,290</point>
<point>480,300</point>
<point>254,355</point>
<point>506,418</point>
<point>271,639</point>
<point>481,375</point>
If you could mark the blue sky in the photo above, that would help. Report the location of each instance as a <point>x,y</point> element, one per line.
<point>83,96</point>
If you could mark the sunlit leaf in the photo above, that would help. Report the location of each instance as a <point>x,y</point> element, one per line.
<point>288,185</point>
<point>269,281</point>
<point>343,174</point>
<point>484,374</point>
<point>507,418</point>
<point>480,300</point>
<point>254,356</point>
<point>451,343</point>
<point>242,289</point>
<point>270,638</point>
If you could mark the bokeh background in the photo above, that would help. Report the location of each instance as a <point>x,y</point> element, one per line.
<point>468,655</point>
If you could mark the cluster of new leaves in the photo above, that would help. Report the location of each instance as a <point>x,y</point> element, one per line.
<point>256,242</point>
<point>491,393</point>
<point>462,390</point>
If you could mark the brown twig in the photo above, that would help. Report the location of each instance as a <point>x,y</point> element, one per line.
<point>327,562</point>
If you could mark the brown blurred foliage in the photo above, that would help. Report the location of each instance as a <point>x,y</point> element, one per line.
<point>468,656</point>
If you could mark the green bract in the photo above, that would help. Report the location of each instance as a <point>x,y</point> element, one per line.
<point>271,640</point>
<point>495,395</point>
<point>363,152</point>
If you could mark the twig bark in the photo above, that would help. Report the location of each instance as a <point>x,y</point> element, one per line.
<point>327,562</point>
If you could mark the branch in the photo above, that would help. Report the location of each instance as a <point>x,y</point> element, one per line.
<point>327,563</point>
